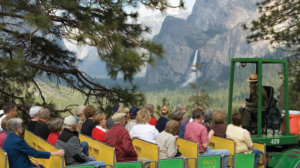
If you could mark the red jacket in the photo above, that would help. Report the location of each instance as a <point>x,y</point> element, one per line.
<point>152,121</point>
<point>98,133</point>
<point>119,137</point>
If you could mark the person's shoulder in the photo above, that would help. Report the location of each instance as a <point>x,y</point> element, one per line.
<point>230,126</point>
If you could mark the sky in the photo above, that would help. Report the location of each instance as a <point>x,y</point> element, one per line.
<point>145,12</point>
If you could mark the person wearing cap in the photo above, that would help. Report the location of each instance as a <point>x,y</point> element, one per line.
<point>109,121</point>
<point>249,110</point>
<point>69,141</point>
<point>119,137</point>
<point>34,114</point>
<point>162,121</point>
<point>126,111</point>
<point>80,117</point>
<point>132,122</point>
<point>18,150</point>
<point>150,108</point>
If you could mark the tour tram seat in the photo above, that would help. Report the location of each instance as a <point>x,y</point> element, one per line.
<point>271,118</point>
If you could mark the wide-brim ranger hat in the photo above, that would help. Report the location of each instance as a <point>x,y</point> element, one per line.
<point>253,78</point>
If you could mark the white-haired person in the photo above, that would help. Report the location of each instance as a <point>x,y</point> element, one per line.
<point>41,128</point>
<point>69,141</point>
<point>80,116</point>
<point>34,115</point>
<point>185,120</point>
<point>143,130</point>
<point>18,150</point>
<point>55,127</point>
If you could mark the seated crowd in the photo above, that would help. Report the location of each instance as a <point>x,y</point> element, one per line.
<point>124,125</point>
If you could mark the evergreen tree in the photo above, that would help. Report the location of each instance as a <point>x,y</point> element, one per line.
<point>201,98</point>
<point>279,23</point>
<point>29,46</point>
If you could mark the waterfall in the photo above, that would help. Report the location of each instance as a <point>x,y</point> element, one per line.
<point>192,75</point>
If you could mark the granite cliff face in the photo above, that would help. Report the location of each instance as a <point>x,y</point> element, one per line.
<point>214,29</point>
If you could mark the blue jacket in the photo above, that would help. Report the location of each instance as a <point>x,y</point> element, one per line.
<point>181,130</point>
<point>18,150</point>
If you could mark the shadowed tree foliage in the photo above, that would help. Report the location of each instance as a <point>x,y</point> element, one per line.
<point>30,46</point>
<point>279,23</point>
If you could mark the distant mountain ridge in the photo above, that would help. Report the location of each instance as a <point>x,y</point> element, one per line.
<point>214,28</point>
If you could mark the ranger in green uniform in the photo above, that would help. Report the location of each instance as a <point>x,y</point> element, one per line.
<point>249,110</point>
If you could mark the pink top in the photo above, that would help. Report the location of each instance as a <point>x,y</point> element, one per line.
<point>194,131</point>
<point>2,138</point>
<point>52,138</point>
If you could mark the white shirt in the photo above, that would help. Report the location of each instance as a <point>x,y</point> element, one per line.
<point>167,145</point>
<point>241,137</point>
<point>101,128</point>
<point>130,125</point>
<point>1,122</point>
<point>145,132</point>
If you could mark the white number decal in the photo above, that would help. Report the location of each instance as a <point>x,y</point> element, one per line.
<point>275,141</point>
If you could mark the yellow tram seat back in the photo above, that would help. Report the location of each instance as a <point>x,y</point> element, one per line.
<point>3,159</point>
<point>146,150</point>
<point>42,145</point>
<point>100,150</point>
<point>188,149</point>
<point>262,159</point>
<point>223,143</point>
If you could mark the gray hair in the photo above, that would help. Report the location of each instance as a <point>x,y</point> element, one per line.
<point>44,113</point>
<point>13,124</point>
<point>180,107</point>
<point>177,115</point>
<point>56,124</point>
<point>150,108</point>
<point>80,110</point>
<point>208,115</point>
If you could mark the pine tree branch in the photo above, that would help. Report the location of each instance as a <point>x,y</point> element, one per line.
<point>40,92</point>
